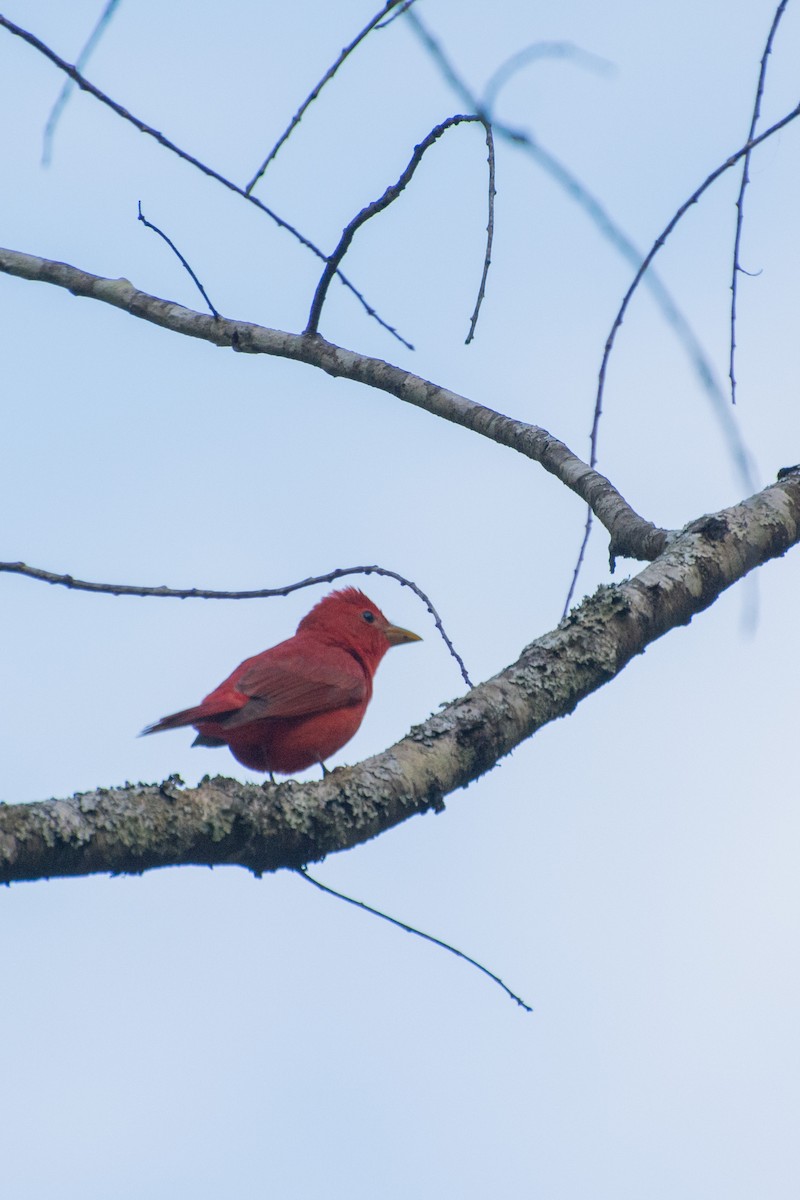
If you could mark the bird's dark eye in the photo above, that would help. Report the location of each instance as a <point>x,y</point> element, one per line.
<point>368,616</point>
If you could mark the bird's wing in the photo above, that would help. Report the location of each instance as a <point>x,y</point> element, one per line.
<point>296,680</point>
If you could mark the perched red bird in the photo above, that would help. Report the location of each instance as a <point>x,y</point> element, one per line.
<point>296,704</point>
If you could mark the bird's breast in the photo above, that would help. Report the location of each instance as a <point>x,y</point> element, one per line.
<point>289,744</point>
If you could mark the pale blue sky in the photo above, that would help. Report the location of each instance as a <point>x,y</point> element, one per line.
<point>632,870</point>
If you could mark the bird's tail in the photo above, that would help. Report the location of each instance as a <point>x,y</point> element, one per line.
<point>188,716</point>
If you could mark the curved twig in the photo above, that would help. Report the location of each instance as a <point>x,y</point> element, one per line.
<point>128,589</point>
<point>376,912</point>
<point>538,51</point>
<point>371,210</point>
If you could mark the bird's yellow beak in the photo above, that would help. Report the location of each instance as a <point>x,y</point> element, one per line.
<point>396,636</point>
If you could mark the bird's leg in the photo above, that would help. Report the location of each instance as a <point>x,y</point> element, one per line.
<point>325,770</point>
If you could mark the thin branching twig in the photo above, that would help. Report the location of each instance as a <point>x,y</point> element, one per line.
<point>143,127</point>
<point>377,22</point>
<point>176,251</point>
<point>390,195</point>
<point>737,266</point>
<point>376,912</point>
<point>740,454</point>
<point>126,589</point>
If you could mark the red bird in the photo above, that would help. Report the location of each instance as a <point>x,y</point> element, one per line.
<point>296,704</point>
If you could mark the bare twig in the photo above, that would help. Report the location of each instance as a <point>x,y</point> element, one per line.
<point>489,233</point>
<point>654,249</point>
<point>64,94</point>
<point>126,589</point>
<point>377,22</point>
<point>390,195</point>
<point>737,267</point>
<point>176,251</point>
<point>376,912</point>
<point>143,127</point>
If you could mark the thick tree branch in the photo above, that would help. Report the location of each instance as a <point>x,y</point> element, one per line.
<point>631,535</point>
<point>267,827</point>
